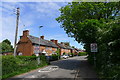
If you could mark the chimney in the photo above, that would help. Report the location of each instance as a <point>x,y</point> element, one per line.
<point>56,41</point>
<point>42,37</point>
<point>26,33</point>
<point>61,42</point>
<point>67,44</point>
<point>52,40</point>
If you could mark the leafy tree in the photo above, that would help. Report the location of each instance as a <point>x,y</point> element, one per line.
<point>7,41</point>
<point>85,21</point>
<point>64,53</point>
<point>95,22</point>
<point>58,51</point>
<point>75,16</point>
<point>73,46</point>
<point>6,46</point>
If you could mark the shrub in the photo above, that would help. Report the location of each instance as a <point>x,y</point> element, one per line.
<point>15,65</point>
<point>82,53</point>
<point>64,53</point>
<point>72,54</point>
<point>55,57</point>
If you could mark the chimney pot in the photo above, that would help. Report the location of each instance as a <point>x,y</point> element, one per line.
<point>26,33</point>
<point>42,37</point>
<point>52,40</point>
<point>61,42</point>
<point>56,41</point>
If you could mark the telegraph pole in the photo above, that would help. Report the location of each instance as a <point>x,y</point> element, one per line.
<point>16,32</point>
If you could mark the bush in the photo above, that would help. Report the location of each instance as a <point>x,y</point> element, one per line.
<point>82,53</point>
<point>64,53</point>
<point>15,65</point>
<point>72,54</point>
<point>55,57</point>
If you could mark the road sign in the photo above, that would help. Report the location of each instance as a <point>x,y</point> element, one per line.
<point>93,47</point>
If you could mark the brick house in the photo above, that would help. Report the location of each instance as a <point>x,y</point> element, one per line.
<point>68,48</point>
<point>63,47</point>
<point>29,45</point>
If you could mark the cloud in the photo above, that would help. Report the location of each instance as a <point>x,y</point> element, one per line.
<point>26,18</point>
<point>45,8</point>
<point>37,0</point>
<point>59,37</point>
<point>8,28</point>
<point>0,29</point>
<point>9,22</point>
<point>64,38</point>
<point>32,14</point>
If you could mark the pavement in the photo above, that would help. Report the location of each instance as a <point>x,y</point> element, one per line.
<point>73,68</point>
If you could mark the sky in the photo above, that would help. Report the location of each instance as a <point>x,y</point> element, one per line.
<point>33,15</point>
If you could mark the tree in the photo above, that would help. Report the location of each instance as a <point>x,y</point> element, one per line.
<point>75,15</point>
<point>73,46</point>
<point>95,22</point>
<point>58,51</point>
<point>7,41</point>
<point>6,46</point>
<point>86,20</point>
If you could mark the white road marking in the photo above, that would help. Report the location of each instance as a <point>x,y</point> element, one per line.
<point>32,76</point>
<point>50,68</point>
<point>43,77</point>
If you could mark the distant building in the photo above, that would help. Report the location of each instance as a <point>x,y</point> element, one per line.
<point>63,47</point>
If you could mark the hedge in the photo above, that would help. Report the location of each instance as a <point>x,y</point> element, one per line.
<point>15,65</point>
<point>72,54</point>
<point>55,57</point>
<point>82,53</point>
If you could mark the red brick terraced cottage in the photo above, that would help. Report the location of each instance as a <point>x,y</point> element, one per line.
<point>29,45</point>
<point>63,48</point>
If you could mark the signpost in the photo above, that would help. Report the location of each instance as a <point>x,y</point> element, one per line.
<point>94,49</point>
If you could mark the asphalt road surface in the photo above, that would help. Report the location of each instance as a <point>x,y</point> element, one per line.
<point>75,68</point>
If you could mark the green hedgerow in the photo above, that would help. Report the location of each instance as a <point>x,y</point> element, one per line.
<point>15,65</point>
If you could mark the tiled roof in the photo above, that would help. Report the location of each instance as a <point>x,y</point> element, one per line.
<point>61,45</point>
<point>41,41</point>
<point>68,47</point>
<point>64,46</point>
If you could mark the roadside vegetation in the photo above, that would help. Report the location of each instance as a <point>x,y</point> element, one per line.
<point>6,46</point>
<point>82,53</point>
<point>55,57</point>
<point>12,66</point>
<point>96,22</point>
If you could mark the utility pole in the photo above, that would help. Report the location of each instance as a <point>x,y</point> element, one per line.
<point>16,32</point>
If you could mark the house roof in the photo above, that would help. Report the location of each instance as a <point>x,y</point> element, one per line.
<point>61,45</point>
<point>41,41</point>
<point>36,40</point>
<point>68,47</point>
<point>64,46</point>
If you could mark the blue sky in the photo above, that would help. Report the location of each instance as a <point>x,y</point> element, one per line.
<point>32,15</point>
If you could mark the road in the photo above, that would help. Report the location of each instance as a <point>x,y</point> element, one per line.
<point>75,68</point>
